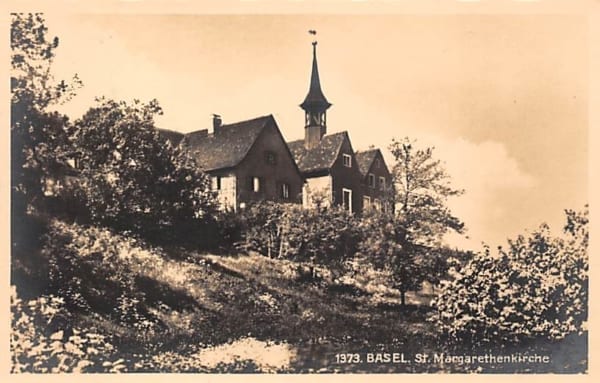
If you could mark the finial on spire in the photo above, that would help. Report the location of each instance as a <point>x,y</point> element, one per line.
<point>315,100</point>
<point>313,32</point>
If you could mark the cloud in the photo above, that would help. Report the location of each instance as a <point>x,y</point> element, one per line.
<point>494,185</point>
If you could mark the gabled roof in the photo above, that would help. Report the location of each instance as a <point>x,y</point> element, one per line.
<point>171,135</point>
<point>365,160</point>
<point>228,147</point>
<point>321,157</point>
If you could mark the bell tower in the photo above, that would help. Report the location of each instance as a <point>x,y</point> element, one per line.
<point>315,107</point>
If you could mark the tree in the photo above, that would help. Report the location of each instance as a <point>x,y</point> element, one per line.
<point>325,236</point>
<point>536,288</point>
<point>385,245</point>
<point>409,243</point>
<point>422,188</point>
<point>133,180</point>
<point>39,143</point>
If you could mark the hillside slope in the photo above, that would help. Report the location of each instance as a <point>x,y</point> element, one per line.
<point>162,308</point>
<point>154,309</point>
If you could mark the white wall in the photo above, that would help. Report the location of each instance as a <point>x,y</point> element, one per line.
<point>317,187</point>
<point>227,195</point>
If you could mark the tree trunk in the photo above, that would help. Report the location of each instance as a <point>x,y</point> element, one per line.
<point>402,298</point>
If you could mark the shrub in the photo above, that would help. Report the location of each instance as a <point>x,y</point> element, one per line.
<point>325,236</point>
<point>43,341</point>
<point>92,270</point>
<point>264,227</point>
<point>133,180</point>
<point>536,289</point>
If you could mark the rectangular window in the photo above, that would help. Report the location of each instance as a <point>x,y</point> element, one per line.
<point>377,204</point>
<point>377,163</point>
<point>366,202</point>
<point>270,157</point>
<point>381,183</point>
<point>255,184</point>
<point>285,191</point>
<point>347,199</point>
<point>347,160</point>
<point>372,181</point>
<point>216,183</point>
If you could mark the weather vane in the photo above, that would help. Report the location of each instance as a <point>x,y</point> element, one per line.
<point>313,32</point>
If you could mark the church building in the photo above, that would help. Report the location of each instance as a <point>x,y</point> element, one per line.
<point>250,160</point>
<point>328,162</point>
<point>247,161</point>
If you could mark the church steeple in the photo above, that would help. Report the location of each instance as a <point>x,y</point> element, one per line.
<point>315,107</point>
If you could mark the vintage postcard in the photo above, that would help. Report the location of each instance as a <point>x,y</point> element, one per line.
<point>300,187</point>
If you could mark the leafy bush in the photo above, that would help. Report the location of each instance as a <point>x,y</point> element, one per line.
<point>92,270</point>
<point>387,246</point>
<point>325,236</point>
<point>264,226</point>
<point>133,180</point>
<point>536,289</point>
<point>43,341</point>
<point>328,236</point>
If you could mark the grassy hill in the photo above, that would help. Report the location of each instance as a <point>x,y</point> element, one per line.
<point>178,304</point>
<point>178,310</point>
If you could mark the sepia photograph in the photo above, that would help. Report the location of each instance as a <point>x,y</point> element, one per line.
<point>251,190</point>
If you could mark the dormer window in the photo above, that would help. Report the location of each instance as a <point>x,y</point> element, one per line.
<point>347,160</point>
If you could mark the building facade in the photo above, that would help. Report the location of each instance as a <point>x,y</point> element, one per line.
<point>376,180</point>
<point>250,160</point>
<point>247,161</point>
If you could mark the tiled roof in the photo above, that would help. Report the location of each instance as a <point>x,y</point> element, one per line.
<point>319,158</point>
<point>228,146</point>
<point>365,159</point>
<point>173,136</point>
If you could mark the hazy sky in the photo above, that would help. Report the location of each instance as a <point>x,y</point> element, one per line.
<point>503,98</point>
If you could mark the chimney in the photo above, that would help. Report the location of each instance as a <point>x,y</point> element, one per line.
<point>216,123</point>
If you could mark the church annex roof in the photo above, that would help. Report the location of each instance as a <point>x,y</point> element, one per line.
<point>320,158</point>
<point>228,147</point>
<point>365,160</point>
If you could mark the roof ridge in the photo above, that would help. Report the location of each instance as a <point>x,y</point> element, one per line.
<point>367,150</point>
<point>233,123</point>
<point>248,120</point>
<point>169,130</point>
<point>230,145</point>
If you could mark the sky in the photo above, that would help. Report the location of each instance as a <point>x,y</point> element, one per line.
<point>503,98</point>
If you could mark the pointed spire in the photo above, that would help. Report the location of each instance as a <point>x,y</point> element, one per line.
<point>315,99</point>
